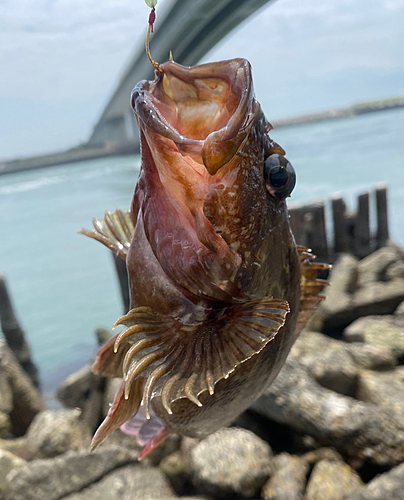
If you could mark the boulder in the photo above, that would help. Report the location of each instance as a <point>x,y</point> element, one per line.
<point>133,481</point>
<point>385,388</point>
<point>399,312</point>
<point>332,480</point>
<point>26,401</point>
<point>6,394</point>
<point>178,470</point>
<point>5,425</point>
<point>54,479</point>
<point>375,298</point>
<point>356,429</point>
<point>16,446</point>
<point>8,462</point>
<point>111,388</point>
<point>53,433</point>
<point>378,331</point>
<point>73,391</point>
<point>371,357</point>
<point>288,479</point>
<point>320,454</point>
<point>395,270</point>
<point>231,462</point>
<point>84,390</point>
<point>344,276</point>
<point>378,298</point>
<point>327,360</point>
<point>387,486</point>
<point>375,266</point>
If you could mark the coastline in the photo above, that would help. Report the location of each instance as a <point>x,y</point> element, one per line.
<point>83,153</point>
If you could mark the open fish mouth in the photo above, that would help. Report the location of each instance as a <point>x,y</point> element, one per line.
<point>205,110</point>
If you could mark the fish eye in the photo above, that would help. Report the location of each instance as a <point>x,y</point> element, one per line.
<point>279,176</point>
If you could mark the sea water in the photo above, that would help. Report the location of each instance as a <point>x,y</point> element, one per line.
<point>63,285</point>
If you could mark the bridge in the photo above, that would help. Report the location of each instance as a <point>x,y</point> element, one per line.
<point>190,28</point>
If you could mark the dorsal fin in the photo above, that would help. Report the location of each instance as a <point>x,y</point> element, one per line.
<point>115,231</point>
<point>313,281</point>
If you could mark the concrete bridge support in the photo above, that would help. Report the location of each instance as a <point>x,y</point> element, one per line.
<point>190,29</point>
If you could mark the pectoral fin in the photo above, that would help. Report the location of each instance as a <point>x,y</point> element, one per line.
<point>183,361</point>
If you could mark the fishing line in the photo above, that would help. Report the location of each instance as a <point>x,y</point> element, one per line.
<point>152,18</point>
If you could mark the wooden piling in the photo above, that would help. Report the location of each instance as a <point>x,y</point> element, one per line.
<point>362,242</point>
<point>308,226</point>
<point>14,334</point>
<point>341,243</point>
<point>382,234</point>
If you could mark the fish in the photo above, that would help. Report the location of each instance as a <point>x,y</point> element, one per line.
<point>219,289</point>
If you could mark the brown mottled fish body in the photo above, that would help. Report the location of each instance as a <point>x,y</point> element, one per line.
<point>216,279</point>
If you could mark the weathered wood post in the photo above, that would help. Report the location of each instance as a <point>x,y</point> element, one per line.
<point>308,226</point>
<point>341,243</point>
<point>14,334</point>
<point>382,234</point>
<point>362,246</point>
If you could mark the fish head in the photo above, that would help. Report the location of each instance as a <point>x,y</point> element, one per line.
<point>209,165</point>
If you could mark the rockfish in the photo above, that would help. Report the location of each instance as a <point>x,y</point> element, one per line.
<point>219,289</point>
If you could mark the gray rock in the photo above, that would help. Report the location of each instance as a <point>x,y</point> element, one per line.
<point>231,462</point>
<point>16,446</point>
<point>6,394</point>
<point>119,438</point>
<point>388,486</point>
<point>320,454</point>
<point>177,469</point>
<point>8,462</point>
<point>379,298</point>
<point>378,331</point>
<point>131,482</point>
<point>395,270</point>
<point>399,312</point>
<point>373,267</point>
<point>344,276</point>
<point>327,360</point>
<point>332,480</point>
<point>73,391</point>
<point>384,388</point>
<point>26,401</point>
<point>170,445</point>
<point>354,428</point>
<point>343,282</point>
<point>53,479</point>
<point>375,298</point>
<point>288,479</point>
<point>53,433</point>
<point>5,425</point>
<point>111,388</point>
<point>83,390</point>
<point>372,357</point>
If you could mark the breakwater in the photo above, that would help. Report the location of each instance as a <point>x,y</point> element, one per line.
<point>83,152</point>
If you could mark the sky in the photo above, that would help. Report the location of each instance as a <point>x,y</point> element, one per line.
<point>60,60</point>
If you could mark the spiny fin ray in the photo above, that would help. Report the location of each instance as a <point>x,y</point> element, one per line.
<point>115,231</point>
<point>181,361</point>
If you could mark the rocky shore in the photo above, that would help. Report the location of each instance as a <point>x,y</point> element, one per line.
<point>331,426</point>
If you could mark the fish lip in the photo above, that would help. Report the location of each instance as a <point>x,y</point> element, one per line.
<point>236,73</point>
<point>145,109</point>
